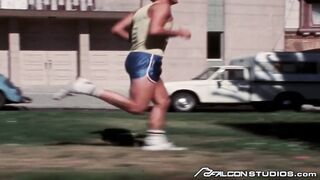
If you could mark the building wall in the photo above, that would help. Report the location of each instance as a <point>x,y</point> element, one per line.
<point>116,5</point>
<point>38,47</point>
<point>185,59</point>
<point>216,15</point>
<point>252,26</point>
<point>4,46</point>
<point>295,41</point>
<point>292,15</point>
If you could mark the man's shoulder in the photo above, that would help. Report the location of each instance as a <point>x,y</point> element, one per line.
<point>160,6</point>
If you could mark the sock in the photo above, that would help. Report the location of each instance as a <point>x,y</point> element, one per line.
<point>155,131</point>
<point>155,137</point>
<point>97,92</point>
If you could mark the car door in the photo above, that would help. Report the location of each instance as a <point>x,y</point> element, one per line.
<point>230,86</point>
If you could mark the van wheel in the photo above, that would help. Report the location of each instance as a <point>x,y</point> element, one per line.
<point>2,100</point>
<point>292,101</point>
<point>183,102</point>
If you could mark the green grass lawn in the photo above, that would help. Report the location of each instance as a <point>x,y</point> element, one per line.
<point>194,130</point>
<point>281,134</point>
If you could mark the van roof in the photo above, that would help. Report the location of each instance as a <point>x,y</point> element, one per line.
<point>228,66</point>
<point>281,57</point>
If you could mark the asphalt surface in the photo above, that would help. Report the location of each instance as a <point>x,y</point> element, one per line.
<point>42,99</point>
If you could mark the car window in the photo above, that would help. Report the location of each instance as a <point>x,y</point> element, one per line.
<point>231,74</point>
<point>206,74</point>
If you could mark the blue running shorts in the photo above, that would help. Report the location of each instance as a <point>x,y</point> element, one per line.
<point>140,64</point>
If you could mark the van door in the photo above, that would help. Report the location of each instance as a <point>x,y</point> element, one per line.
<point>230,86</point>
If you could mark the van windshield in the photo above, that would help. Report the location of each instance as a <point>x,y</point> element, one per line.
<point>206,74</point>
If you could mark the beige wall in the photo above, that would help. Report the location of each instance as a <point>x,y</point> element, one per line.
<point>216,15</point>
<point>252,26</point>
<point>186,58</point>
<point>4,66</point>
<point>4,47</point>
<point>292,14</point>
<point>117,5</point>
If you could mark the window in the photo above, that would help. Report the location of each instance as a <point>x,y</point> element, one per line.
<point>206,74</point>
<point>296,67</point>
<point>310,16</point>
<point>316,13</point>
<point>232,74</point>
<point>214,45</point>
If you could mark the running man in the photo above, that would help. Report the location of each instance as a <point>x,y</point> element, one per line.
<point>151,26</point>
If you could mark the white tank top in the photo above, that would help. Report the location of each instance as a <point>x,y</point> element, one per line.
<point>140,39</point>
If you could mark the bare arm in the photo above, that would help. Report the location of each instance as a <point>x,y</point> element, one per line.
<point>121,28</point>
<point>160,14</point>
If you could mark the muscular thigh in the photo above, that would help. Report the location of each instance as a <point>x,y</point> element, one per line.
<point>142,91</point>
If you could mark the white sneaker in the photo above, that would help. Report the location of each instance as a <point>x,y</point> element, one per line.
<point>159,142</point>
<point>80,86</point>
<point>163,147</point>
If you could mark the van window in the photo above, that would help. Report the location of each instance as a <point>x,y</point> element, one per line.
<point>296,67</point>
<point>232,74</point>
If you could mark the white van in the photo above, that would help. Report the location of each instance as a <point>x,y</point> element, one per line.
<point>269,80</point>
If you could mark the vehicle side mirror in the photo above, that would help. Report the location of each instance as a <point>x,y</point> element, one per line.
<point>219,83</point>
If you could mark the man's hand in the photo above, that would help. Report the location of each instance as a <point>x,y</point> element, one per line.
<point>185,33</point>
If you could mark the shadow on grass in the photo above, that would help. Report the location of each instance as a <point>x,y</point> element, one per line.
<point>13,108</point>
<point>111,137</point>
<point>302,132</point>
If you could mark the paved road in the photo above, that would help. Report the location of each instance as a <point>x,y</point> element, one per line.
<point>42,98</point>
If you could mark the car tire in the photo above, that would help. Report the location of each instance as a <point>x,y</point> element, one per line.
<point>2,100</point>
<point>184,102</point>
<point>289,102</point>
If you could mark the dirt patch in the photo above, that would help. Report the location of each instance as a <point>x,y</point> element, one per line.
<point>81,157</point>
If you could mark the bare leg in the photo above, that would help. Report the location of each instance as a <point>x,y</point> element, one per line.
<point>161,102</point>
<point>141,93</point>
<point>156,139</point>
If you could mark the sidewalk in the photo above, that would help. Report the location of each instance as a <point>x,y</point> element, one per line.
<point>42,98</point>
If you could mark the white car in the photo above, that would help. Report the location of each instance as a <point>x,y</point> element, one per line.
<point>216,85</point>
